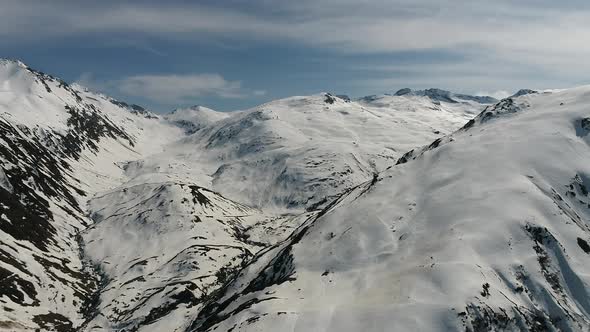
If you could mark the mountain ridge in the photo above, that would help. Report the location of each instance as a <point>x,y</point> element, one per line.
<point>301,213</point>
<point>443,95</point>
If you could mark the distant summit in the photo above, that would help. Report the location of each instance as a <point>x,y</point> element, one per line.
<point>445,96</point>
<point>523,92</point>
<point>193,118</point>
<point>403,92</point>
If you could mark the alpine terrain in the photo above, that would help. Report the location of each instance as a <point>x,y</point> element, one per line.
<point>412,211</point>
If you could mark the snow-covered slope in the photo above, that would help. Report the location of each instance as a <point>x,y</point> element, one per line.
<point>414,211</point>
<point>165,247</point>
<point>58,145</point>
<point>190,241</point>
<point>486,229</point>
<point>301,152</point>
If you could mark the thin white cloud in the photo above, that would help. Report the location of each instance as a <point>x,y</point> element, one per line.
<point>172,88</point>
<point>345,25</point>
<point>88,80</point>
<point>541,33</point>
<point>179,88</point>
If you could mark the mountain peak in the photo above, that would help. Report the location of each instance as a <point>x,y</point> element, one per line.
<point>192,109</point>
<point>523,92</point>
<point>200,108</point>
<point>440,95</point>
<point>193,118</point>
<point>402,92</point>
<point>6,61</point>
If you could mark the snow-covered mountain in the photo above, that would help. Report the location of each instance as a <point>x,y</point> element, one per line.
<point>423,210</point>
<point>299,152</point>
<point>58,146</point>
<point>485,229</point>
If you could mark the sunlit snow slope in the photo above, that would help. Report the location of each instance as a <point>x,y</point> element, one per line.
<point>485,229</point>
<point>304,151</point>
<point>416,211</point>
<point>58,146</point>
<point>186,236</point>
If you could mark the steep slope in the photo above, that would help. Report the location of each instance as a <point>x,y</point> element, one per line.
<point>79,232</point>
<point>58,145</point>
<point>485,229</point>
<point>301,152</point>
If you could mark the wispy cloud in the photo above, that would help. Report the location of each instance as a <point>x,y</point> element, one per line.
<point>545,36</point>
<point>369,26</point>
<point>171,89</point>
<point>178,88</point>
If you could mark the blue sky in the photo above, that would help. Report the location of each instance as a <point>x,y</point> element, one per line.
<point>235,54</point>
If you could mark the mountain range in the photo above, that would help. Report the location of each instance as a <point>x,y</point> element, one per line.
<point>418,210</point>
